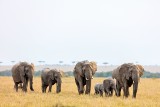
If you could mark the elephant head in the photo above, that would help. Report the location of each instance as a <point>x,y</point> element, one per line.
<point>89,70</point>
<point>135,71</point>
<point>26,70</point>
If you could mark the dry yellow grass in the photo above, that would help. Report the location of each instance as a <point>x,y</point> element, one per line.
<point>148,95</point>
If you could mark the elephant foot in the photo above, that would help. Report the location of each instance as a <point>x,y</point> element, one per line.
<point>87,93</point>
<point>32,89</point>
<point>133,97</point>
<point>81,92</point>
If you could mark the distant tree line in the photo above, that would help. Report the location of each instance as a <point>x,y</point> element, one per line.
<point>97,74</point>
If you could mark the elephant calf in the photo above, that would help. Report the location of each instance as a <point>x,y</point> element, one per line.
<point>49,78</point>
<point>109,85</point>
<point>99,89</point>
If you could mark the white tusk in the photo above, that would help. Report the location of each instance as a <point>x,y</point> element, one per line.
<point>87,79</point>
<point>92,77</point>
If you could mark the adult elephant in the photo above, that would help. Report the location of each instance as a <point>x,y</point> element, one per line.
<point>126,75</point>
<point>83,73</point>
<point>22,73</point>
<point>49,77</point>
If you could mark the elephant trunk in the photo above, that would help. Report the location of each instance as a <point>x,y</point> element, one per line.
<point>58,90</point>
<point>31,83</point>
<point>88,87</point>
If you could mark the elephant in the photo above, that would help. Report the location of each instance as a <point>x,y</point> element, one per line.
<point>126,75</point>
<point>22,72</point>
<point>83,73</point>
<point>49,77</point>
<point>99,89</point>
<point>109,85</point>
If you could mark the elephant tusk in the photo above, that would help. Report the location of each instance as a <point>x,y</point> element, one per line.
<point>87,79</point>
<point>92,78</point>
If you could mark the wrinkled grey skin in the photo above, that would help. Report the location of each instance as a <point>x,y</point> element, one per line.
<point>109,85</point>
<point>126,75</point>
<point>22,73</point>
<point>83,74</point>
<point>99,89</point>
<point>49,78</point>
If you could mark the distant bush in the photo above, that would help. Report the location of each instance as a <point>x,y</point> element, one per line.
<point>146,74</point>
<point>6,73</point>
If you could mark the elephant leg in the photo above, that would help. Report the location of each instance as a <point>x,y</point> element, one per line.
<point>81,87</point>
<point>111,92</point>
<point>101,93</point>
<point>115,90</point>
<point>42,89</point>
<point>16,86</point>
<point>88,87</point>
<point>45,88</point>
<point>135,87</point>
<point>105,91</point>
<point>96,92</point>
<point>125,89</point>
<point>24,84</point>
<point>50,87</point>
<point>108,92</point>
<point>118,89</point>
<point>78,87</point>
<point>31,84</point>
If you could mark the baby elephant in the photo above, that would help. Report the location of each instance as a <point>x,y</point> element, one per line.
<point>49,78</point>
<point>109,85</point>
<point>99,89</point>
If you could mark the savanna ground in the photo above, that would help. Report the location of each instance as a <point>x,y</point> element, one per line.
<point>148,95</point>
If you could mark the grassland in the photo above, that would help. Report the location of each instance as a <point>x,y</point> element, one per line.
<point>148,95</point>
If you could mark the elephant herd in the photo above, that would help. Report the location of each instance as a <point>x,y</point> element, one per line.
<point>124,75</point>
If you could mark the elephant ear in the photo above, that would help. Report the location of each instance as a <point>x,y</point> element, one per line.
<point>79,69</point>
<point>141,69</point>
<point>62,73</point>
<point>93,66</point>
<point>32,67</point>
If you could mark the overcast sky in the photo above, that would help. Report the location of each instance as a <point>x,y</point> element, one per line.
<point>113,31</point>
